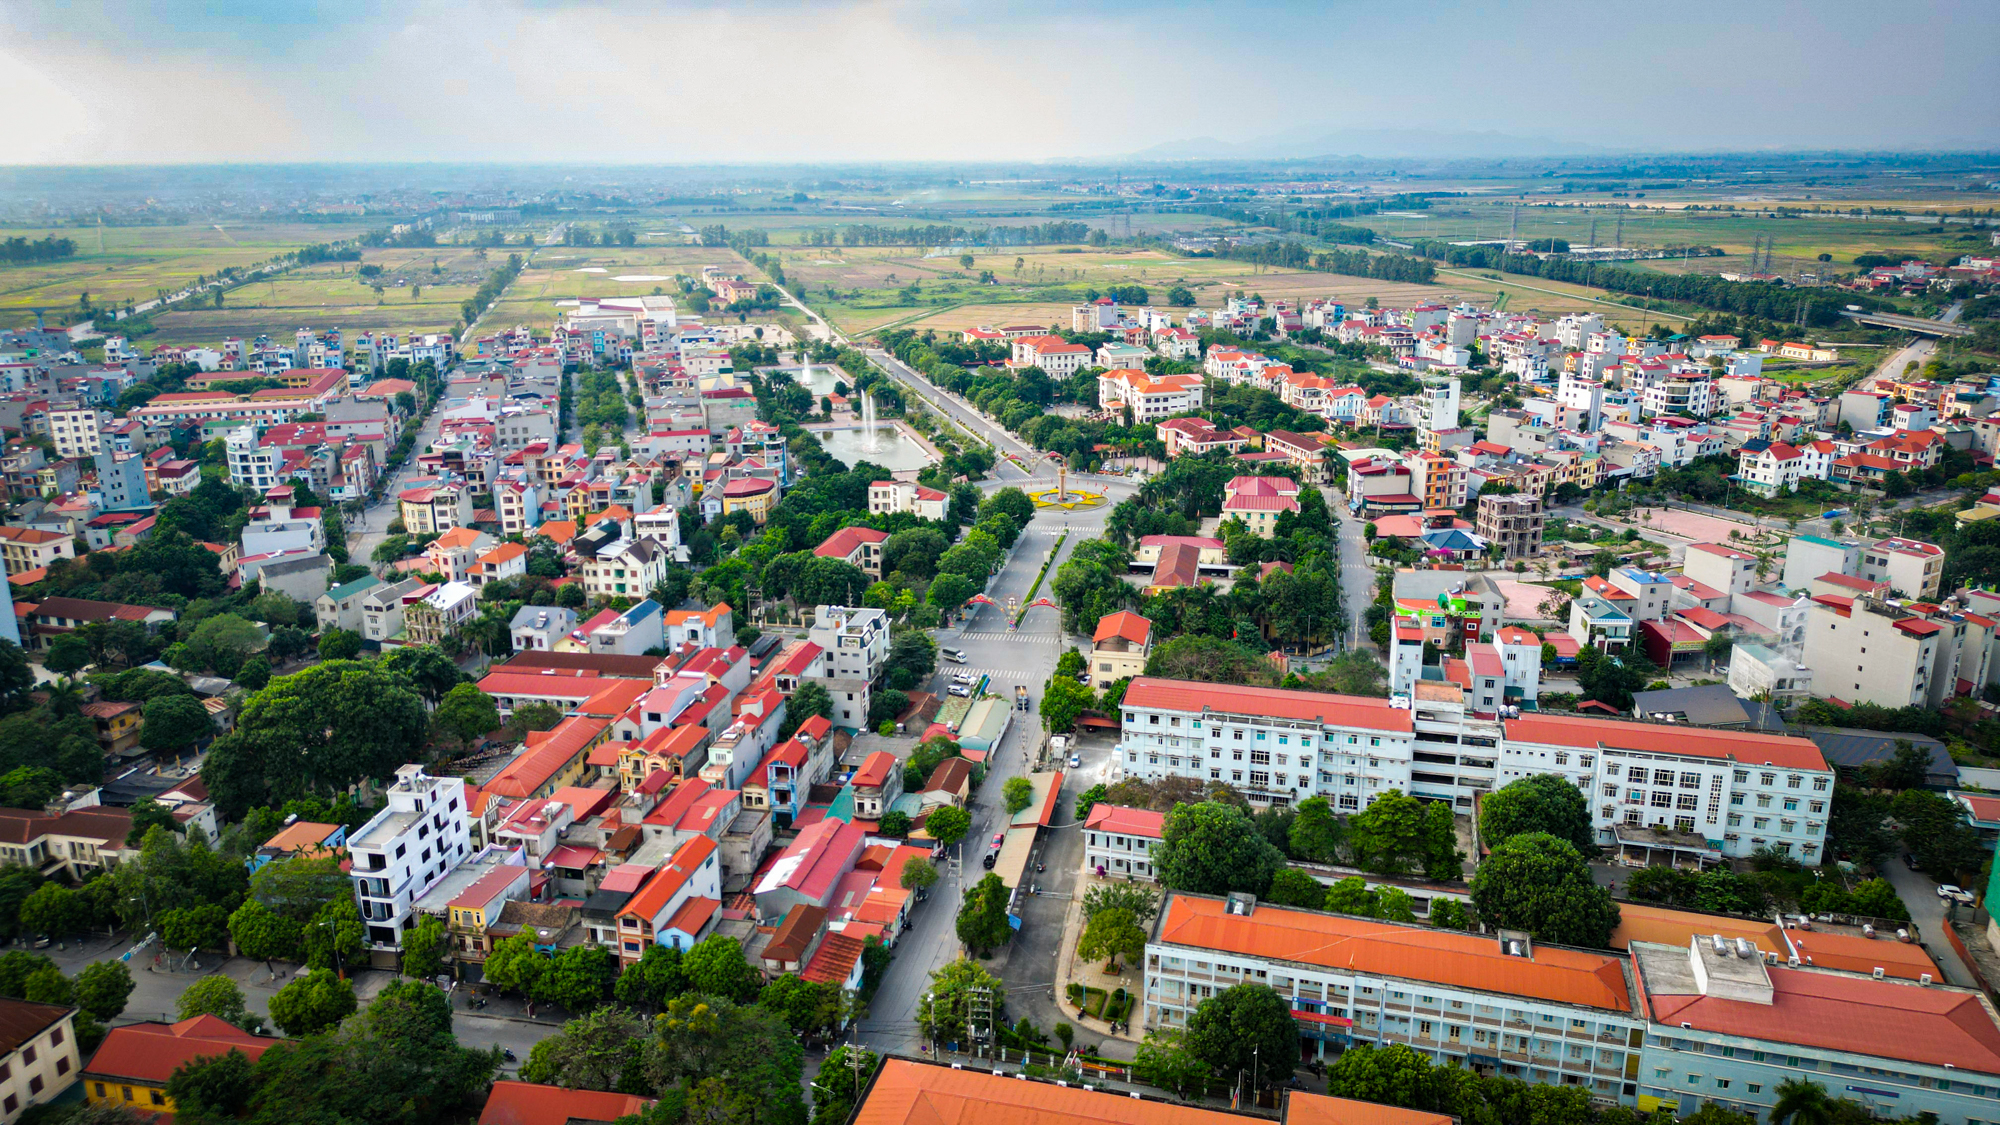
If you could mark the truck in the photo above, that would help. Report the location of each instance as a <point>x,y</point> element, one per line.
<point>1020,697</point>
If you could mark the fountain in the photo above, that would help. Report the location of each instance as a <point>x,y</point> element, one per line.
<point>871,441</point>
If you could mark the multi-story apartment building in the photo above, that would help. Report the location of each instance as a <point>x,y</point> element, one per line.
<point>1893,653</point>
<point>1512,522</point>
<point>77,431</point>
<point>435,509</point>
<point>1495,1004</point>
<point>1150,398</point>
<point>406,849</point>
<point>26,548</point>
<point>1911,567</point>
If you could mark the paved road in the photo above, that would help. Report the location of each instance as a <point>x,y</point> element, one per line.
<point>1357,577</point>
<point>1919,893</point>
<point>1025,657</point>
<point>961,412</point>
<point>367,532</point>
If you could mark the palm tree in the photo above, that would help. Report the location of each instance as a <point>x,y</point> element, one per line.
<point>65,697</point>
<point>1801,1102</point>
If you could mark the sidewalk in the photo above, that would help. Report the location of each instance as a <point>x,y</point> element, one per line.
<point>1123,1044</point>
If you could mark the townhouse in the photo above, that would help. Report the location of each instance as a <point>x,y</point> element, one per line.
<point>1150,398</point>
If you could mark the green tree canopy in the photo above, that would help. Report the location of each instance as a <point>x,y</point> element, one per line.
<point>1214,848</point>
<point>317,731</point>
<point>1543,802</point>
<point>1540,883</point>
<point>1246,1029</point>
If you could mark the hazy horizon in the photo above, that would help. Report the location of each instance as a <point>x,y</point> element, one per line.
<point>615,83</point>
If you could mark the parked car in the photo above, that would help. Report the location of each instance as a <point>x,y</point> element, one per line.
<point>999,838</point>
<point>1952,893</point>
<point>991,859</point>
<point>1076,761</point>
<point>960,690</point>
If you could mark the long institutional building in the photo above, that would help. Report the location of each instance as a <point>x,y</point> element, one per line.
<point>1680,1016</point>
<point>1657,1026</point>
<point>1700,794</point>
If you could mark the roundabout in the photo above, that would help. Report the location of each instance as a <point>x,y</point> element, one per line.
<point>1068,499</point>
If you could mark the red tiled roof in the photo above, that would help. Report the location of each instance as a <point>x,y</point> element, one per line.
<point>524,1103</point>
<point>1839,1012</point>
<point>1130,821</point>
<point>151,1052</point>
<point>1415,953</point>
<point>1124,623</point>
<point>1747,747</point>
<point>1324,707</point>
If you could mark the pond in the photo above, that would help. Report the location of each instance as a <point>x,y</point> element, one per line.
<point>897,450</point>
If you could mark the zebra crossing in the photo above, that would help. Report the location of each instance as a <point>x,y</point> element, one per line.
<point>994,673</point>
<point>1007,635</point>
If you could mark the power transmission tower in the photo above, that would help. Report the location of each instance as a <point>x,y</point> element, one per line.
<point>1620,236</point>
<point>1513,227</point>
<point>1593,231</point>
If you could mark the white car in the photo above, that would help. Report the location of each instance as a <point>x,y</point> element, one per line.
<point>1952,893</point>
<point>1076,761</point>
<point>961,690</point>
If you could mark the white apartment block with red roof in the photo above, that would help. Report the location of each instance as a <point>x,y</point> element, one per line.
<point>1057,357</point>
<point>1279,747</point>
<point>1176,343</point>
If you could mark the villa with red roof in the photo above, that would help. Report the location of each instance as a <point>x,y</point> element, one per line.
<point>1119,648</point>
<point>856,546</point>
<point>677,906</point>
<point>886,497</point>
<point>1258,502</point>
<point>1118,841</point>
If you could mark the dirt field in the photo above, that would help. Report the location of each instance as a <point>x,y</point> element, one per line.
<point>1691,526</point>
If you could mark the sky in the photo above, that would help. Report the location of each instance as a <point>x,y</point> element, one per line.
<point>165,81</point>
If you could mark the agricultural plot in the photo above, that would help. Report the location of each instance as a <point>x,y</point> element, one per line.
<point>566,273</point>
<point>136,264</point>
<point>417,290</point>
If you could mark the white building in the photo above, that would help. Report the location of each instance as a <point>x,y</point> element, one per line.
<point>888,496</point>
<point>77,431</point>
<point>856,641</point>
<point>537,628</point>
<point>1118,841</point>
<point>406,849</point>
<point>1544,1015</point>
<point>38,1055</point>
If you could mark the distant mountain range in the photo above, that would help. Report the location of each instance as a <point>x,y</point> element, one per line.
<point>1375,143</point>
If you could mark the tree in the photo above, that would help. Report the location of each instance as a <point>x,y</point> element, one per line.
<point>1350,896</point>
<point>808,1006</point>
<point>1316,833</point>
<point>339,644</point>
<point>1388,837</point>
<point>424,668</point>
<point>1246,1029</point>
<point>173,721</point>
<point>1110,933</point>
<point>148,814</point>
<point>1393,904</point>
<point>317,731</point>
<point>600,1050</point>
<point>948,824</point>
<point>1393,1075</point>
<point>983,924</point>
<point>1540,883</point>
<point>1542,802</point>
<point>809,701</point>
<point>263,934</point>
<point>203,926</point>
<point>1450,914</point>
<point>845,1073</point>
<point>67,655</point>
<point>216,996</point>
<point>895,824</point>
<point>467,713</point>
<point>312,1003</point>
<point>1018,792</point>
<point>656,979</point>
<point>1213,848</point>
<point>515,965</point>
<point>1136,899</point>
<point>918,873</point>
<point>424,948</point>
<point>1164,1060</point>
<point>716,966</point>
<point>1292,887</point>
<point>212,1088</point>
<point>944,1007</point>
<point>579,978</point>
<point>53,910</point>
<point>102,987</point>
<point>1802,1101</point>
<point>1063,702</point>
